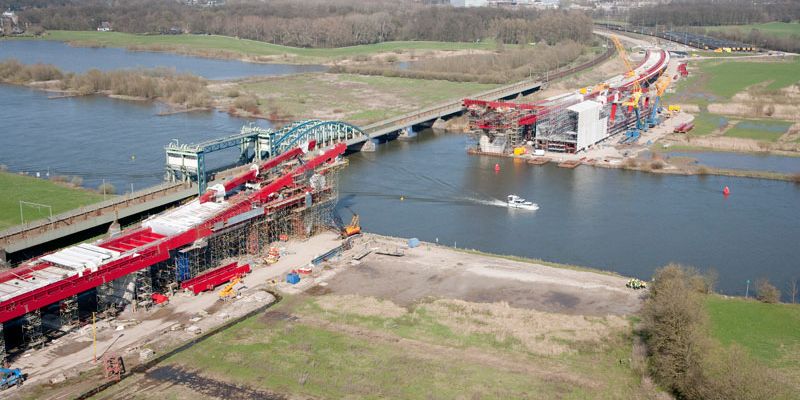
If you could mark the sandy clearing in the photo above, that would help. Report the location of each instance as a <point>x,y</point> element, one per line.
<point>431,271</point>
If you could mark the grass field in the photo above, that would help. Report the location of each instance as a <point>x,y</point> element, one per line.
<point>774,28</point>
<point>730,77</point>
<point>213,45</point>
<point>368,349</point>
<point>706,123</point>
<point>768,131</point>
<point>338,354</point>
<point>25,188</point>
<point>770,332</point>
<point>354,98</point>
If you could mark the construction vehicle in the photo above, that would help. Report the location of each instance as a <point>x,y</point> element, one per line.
<point>636,284</point>
<point>636,93</point>
<point>674,108</point>
<point>354,228</point>
<point>661,86</point>
<point>229,291</point>
<point>10,377</point>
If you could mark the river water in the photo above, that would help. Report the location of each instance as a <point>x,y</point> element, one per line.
<point>624,221</point>
<point>82,59</point>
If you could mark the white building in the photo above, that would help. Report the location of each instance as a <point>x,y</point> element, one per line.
<point>469,3</point>
<point>592,126</point>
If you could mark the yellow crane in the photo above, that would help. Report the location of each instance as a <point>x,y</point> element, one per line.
<point>629,72</point>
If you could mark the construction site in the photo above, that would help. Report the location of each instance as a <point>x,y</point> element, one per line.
<point>616,111</point>
<point>271,225</point>
<point>188,249</point>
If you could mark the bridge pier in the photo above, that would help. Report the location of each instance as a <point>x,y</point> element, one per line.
<point>369,146</point>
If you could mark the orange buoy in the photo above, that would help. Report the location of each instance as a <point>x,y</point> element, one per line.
<point>726,191</point>
<point>497,168</point>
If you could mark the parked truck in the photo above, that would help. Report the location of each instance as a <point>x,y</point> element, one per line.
<point>10,377</point>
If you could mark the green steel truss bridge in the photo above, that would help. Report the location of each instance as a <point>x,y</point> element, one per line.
<point>186,162</point>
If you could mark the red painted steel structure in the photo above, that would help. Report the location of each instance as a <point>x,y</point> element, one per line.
<point>215,277</point>
<point>142,247</point>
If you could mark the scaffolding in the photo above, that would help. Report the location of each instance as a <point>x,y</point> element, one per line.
<point>2,346</point>
<point>32,335</point>
<point>68,311</point>
<point>143,289</point>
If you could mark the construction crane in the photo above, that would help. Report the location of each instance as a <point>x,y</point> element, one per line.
<point>629,70</point>
<point>661,86</point>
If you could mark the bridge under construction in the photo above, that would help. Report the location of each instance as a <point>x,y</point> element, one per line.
<point>290,195</point>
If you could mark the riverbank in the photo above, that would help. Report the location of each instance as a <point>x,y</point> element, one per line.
<point>177,91</point>
<point>224,47</point>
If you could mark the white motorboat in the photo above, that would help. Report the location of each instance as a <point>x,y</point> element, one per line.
<point>515,201</point>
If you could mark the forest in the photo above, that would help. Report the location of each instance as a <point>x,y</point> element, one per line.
<point>312,23</point>
<point>721,12</point>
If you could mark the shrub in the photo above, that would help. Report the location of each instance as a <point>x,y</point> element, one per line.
<point>657,164</point>
<point>106,188</point>
<point>232,93</point>
<point>76,181</point>
<point>795,177</point>
<point>630,163</point>
<point>391,58</point>
<point>702,171</point>
<point>767,292</point>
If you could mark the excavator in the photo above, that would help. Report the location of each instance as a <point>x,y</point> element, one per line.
<point>354,228</point>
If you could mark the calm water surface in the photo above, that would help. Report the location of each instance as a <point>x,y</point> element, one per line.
<point>98,138</point>
<point>624,221</point>
<point>82,59</point>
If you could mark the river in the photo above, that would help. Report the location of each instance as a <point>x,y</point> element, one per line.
<point>82,59</point>
<point>624,221</point>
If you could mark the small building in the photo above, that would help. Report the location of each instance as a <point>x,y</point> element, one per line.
<point>105,26</point>
<point>469,3</point>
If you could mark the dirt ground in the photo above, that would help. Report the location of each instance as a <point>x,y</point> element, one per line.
<point>411,326</point>
<point>439,272</point>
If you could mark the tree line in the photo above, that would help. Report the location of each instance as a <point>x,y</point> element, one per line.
<point>177,89</point>
<point>684,358</point>
<point>316,23</point>
<point>718,12</point>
